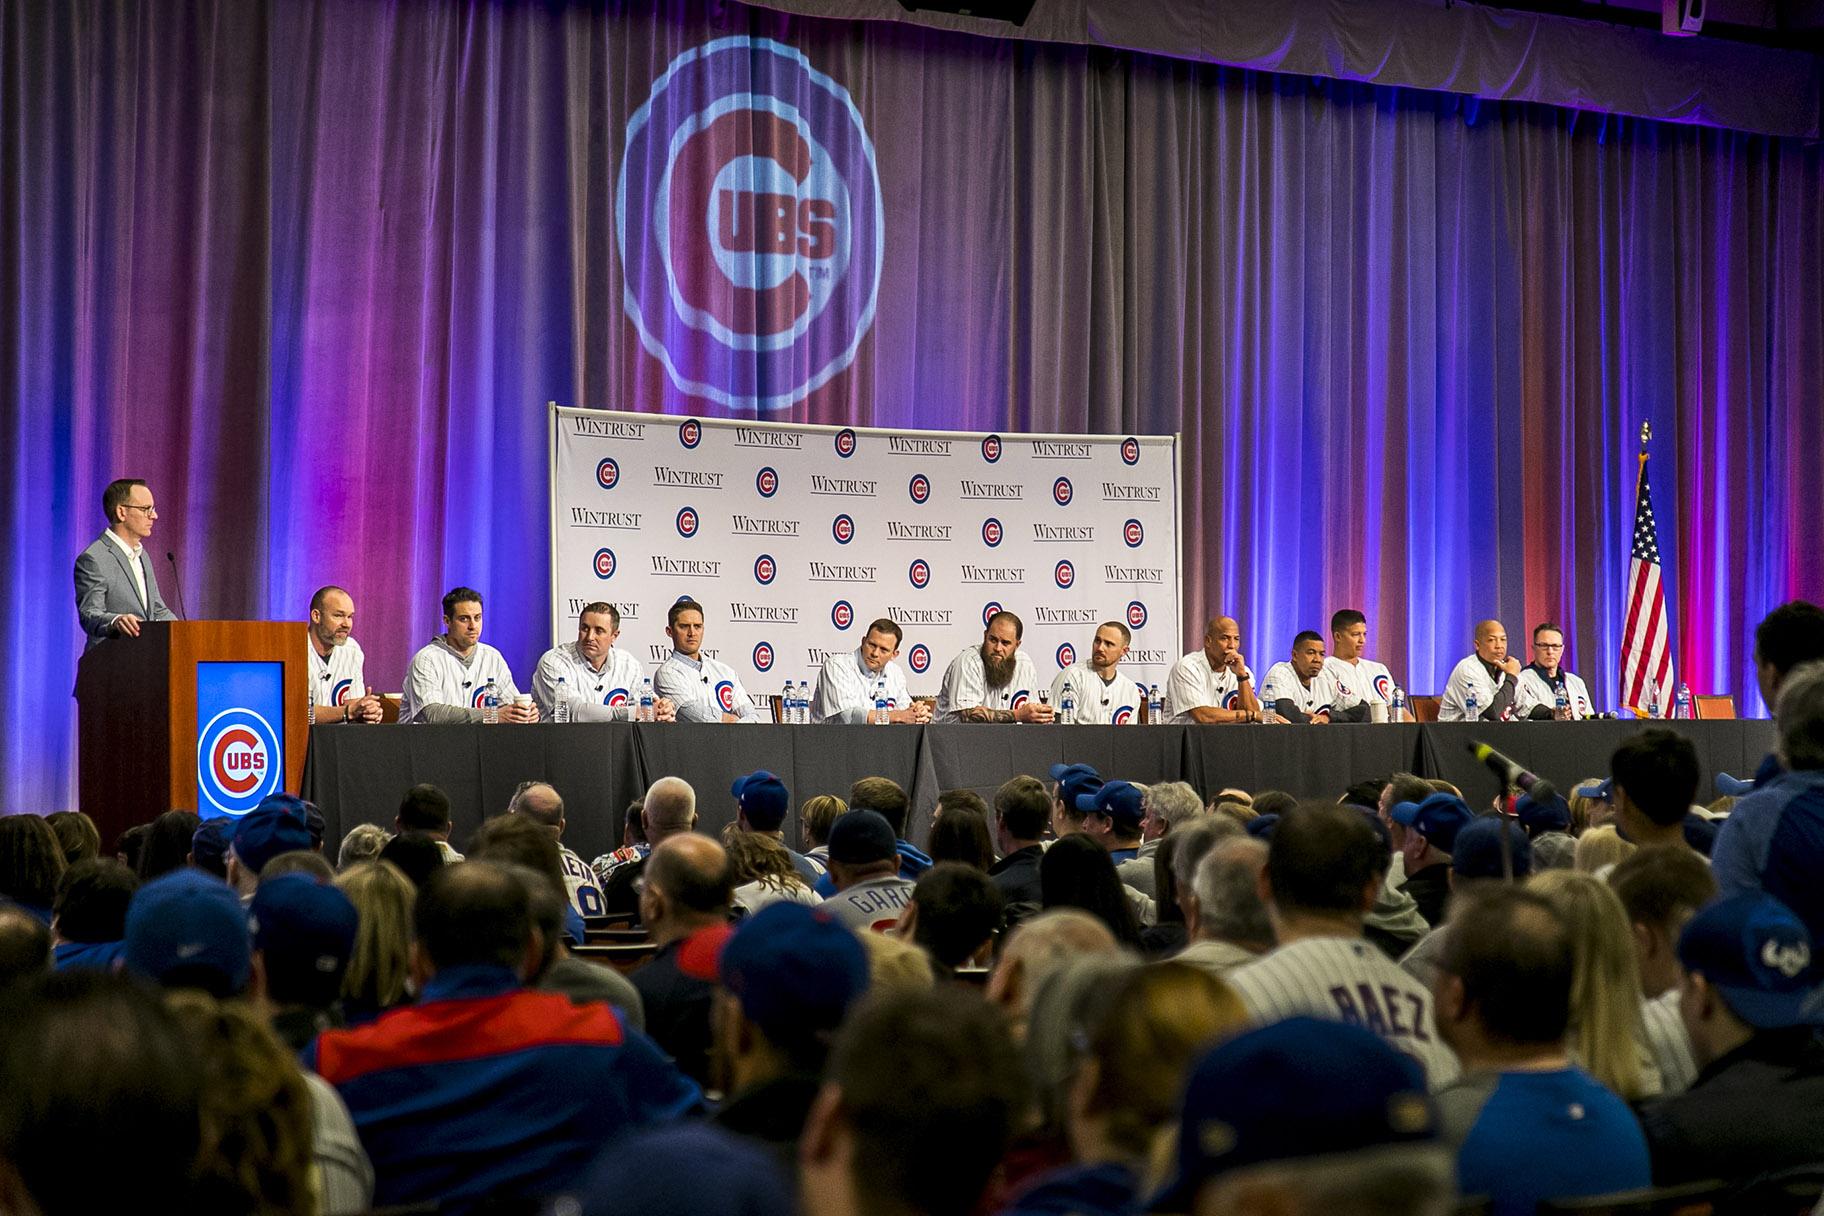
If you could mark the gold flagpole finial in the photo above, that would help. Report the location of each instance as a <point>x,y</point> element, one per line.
<point>1646,433</point>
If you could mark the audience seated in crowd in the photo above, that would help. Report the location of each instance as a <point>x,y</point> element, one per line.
<point>684,903</point>
<point>1661,888</point>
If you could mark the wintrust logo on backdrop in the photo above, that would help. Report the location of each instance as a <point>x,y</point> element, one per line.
<point>750,223</point>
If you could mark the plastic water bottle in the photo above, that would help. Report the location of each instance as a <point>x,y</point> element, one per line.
<point>1562,711</point>
<point>1399,704</point>
<point>1469,707</point>
<point>310,708</point>
<point>1682,707</point>
<point>645,710</point>
<point>1653,700</point>
<point>1155,707</point>
<point>490,703</point>
<point>1067,706</point>
<point>560,712</point>
<point>788,705</point>
<point>880,701</point>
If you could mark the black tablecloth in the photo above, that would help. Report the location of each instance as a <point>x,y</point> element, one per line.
<point>356,774</point>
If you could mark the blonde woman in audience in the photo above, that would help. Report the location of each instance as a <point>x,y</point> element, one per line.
<point>256,1152</point>
<point>363,843</point>
<point>896,965</point>
<point>764,873</point>
<point>1599,849</point>
<point>1607,1037</point>
<point>814,819</point>
<point>380,971</point>
<point>1588,811</point>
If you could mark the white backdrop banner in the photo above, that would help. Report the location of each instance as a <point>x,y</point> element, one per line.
<point>794,538</point>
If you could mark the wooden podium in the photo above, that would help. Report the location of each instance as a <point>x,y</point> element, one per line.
<point>138,716</point>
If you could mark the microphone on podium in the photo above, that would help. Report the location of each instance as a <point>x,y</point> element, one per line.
<point>177,587</point>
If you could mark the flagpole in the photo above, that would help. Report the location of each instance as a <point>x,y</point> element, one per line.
<point>1646,433</point>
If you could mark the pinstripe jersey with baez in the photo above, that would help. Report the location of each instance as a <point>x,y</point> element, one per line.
<point>1347,979</point>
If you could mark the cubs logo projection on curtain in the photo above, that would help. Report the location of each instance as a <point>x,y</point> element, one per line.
<point>750,224</point>
<point>795,537</point>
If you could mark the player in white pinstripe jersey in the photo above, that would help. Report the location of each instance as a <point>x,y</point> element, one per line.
<point>1324,868</point>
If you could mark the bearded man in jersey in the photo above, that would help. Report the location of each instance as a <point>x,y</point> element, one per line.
<point>600,682</point>
<point>1360,682</point>
<point>447,678</point>
<point>1097,687</point>
<point>338,685</point>
<point>993,682</point>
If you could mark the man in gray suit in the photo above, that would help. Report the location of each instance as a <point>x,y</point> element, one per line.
<point>116,583</point>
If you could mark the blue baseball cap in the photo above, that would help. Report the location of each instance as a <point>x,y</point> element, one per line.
<point>306,930</point>
<point>1119,800</point>
<point>1601,791</point>
<point>795,970</point>
<point>1733,787</point>
<point>187,929</point>
<point>762,797</point>
<point>1551,814</point>
<point>1074,781</point>
<point>1438,818</point>
<point>1296,1088</point>
<point>209,845</point>
<point>277,825</point>
<point>1476,853</point>
<point>1757,953</point>
<point>724,1175</point>
<point>1261,826</point>
<point>860,838</point>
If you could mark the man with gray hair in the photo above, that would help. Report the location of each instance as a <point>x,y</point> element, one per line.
<point>1164,806</point>
<point>540,802</point>
<point>670,810</point>
<point>1232,923</point>
<point>1773,840</point>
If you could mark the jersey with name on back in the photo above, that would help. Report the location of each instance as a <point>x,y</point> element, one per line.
<point>872,905</point>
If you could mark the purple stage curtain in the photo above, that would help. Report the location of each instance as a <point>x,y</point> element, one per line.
<point>313,268</point>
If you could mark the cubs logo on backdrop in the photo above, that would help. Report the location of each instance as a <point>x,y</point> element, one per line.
<point>690,432</point>
<point>1067,654</point>
<point>919,573</point>
<point>1061,492</point>
<point>1064,574</point>
<point>988,611</point>
<point>919,488</point>
<point>845,443</point>
<point>843,529</point>
<point>604,563</point>
<point>766,481</point>
<point>237,755</point>
<point>763,656</point>
<point>992,532</point>
<point>765,569</point>
<point>607,473</point>
<point>1136,614</point>
<point>687,521</point>
<point>750,223</point>
<point>842,614</point>
<point>919,659</point>
<point>1130,450</point>
<point>991,448</point>
<point>1133,533</point>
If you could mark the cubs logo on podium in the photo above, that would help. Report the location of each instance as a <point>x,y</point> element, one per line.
<point>750,222</point>
<point>237,761</point>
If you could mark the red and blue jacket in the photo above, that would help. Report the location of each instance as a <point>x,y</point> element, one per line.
<point>486,1087</point>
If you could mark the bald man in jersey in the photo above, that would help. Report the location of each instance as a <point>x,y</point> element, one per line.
<point>1213,684</point>
<point>1491,676</point>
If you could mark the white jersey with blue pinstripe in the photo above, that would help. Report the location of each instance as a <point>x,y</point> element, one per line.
<point>338,679</point>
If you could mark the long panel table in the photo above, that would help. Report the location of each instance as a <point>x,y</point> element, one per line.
<point>356,774</point>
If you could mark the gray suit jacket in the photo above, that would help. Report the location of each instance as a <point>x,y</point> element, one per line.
<point>105,589</point>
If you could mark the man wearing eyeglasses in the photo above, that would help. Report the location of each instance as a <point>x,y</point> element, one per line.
<point>1545,677</point>
<point>116,581</point>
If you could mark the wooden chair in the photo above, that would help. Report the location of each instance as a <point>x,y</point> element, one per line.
<point>622,956</point>
<point>389,707</point>
<point>1688,1199</point>
<point>1424,707</point>
<point>614,937</point>
<point>1713,708</point>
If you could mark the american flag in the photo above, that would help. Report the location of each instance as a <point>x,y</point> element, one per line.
<point>1646,643</point>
